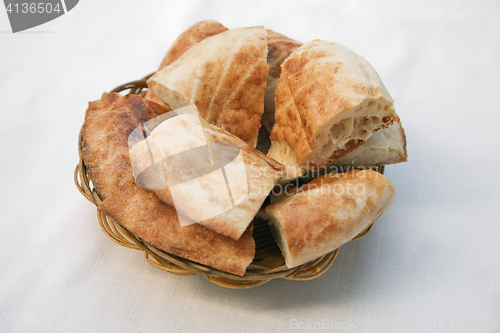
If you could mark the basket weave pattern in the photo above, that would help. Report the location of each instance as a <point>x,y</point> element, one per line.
<point>268,262</point>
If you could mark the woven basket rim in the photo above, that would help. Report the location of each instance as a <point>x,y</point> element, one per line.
<point>173,264</point>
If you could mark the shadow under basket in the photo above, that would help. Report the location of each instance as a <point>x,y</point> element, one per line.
<point>268,262</point>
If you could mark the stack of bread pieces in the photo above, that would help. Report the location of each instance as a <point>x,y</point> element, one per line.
<point>284,109</point>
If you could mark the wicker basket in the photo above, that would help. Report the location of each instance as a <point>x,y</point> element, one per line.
<point>268,262</point>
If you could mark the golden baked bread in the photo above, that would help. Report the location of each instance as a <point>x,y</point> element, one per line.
<point>225,77</point>
<point>226,161</point>
<point>279,48</point>
<point>327,212</point>
<point>191,36</point>
<point>105,146</point>
<point>108,122</point>
<point>192,186</point>
<point>329,101</point>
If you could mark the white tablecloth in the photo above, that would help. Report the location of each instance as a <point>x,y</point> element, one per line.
<point>430,264</point>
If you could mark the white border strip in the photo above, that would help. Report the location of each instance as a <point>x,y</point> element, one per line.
<point>64,6</point>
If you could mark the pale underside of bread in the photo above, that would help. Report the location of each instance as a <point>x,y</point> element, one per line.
<point>329,101</point>
<point>248,173</point>
<point>191,36</point>
<point>225,77</point>
<point>386,146</point>
<point>279,48</point>
<point>328,212</point>
<point>108,123</point>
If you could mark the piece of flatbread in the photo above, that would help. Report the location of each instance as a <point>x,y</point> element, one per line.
<point>105,147</point>
<point>329,101</point>
<point>225,77</point>
<point>191,36</point>
<point>327,212</point>
<point>143,214</point>
<point>108,122</point>
<point>210,176</point>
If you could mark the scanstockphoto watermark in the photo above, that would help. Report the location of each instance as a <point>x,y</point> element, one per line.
<point>328,324</point>
<point>322,187</point>
<point>424,325</point>
<point>325,182</point>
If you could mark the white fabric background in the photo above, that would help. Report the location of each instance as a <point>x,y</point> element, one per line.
<point>430,264</point>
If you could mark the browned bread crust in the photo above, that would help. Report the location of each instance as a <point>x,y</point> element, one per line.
<point>329,101</point>
<point>108,123</point>
<point>191,36</point>
<point>328,212</point>
<point>279,48</point>
<point>225,77</point>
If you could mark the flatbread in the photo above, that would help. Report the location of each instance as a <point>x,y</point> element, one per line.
<point>329,101</point>
<point>327,212</point>
<point>108,123</point>
<point>143,214</point>
<point>225,77</point>
<point>191,36</point>
<point>220,186</point>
